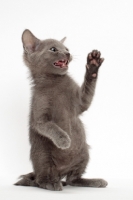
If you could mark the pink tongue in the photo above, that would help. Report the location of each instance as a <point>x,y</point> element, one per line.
<point>62,64</point>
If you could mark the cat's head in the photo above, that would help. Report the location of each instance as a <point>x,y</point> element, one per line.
<point>45,56</point>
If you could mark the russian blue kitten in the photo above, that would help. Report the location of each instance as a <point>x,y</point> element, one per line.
<point>57,136</point>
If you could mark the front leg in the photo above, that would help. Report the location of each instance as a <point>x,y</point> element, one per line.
<point>94,61</point>
<point>57,135</point>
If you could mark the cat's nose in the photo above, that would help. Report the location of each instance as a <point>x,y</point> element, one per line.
<point>68,55</point>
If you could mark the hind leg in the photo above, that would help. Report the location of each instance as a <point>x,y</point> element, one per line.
<point>50,181</point>
<point>47,182</point>
<point>30,180</point>
<point>27,180</point>
<point>88,182</point>
<point>45,173</point>
<point>74,178</point>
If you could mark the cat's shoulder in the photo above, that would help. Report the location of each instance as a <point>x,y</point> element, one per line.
<point>71,82</point>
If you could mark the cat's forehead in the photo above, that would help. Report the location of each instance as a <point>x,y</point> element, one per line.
<point>53,43</point>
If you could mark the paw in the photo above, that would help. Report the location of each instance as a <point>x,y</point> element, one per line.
<point>51,186</point>
<point>54,186</point>
<point>103,183</point>
<point>98,183</point>
<point>94,61</point>
<point>63,141</point>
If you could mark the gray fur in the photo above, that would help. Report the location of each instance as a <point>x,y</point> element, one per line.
<point>57,135</point>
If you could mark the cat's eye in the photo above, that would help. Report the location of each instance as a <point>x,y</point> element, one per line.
<point>53,49</point>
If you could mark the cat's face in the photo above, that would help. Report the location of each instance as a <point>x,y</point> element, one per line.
<point>45,57</point>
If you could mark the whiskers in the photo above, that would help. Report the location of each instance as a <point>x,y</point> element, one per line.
<point>75,57</point>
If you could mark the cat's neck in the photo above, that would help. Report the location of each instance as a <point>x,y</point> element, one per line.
<point>48,80</point>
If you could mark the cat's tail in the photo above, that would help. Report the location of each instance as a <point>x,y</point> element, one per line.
<point>27,180</point>
<point>30,180</point>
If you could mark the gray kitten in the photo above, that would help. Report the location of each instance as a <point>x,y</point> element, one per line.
<point>57,135</point>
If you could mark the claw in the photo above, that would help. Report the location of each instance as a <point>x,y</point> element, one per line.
<point>87,66</point>
<point>101,60</point>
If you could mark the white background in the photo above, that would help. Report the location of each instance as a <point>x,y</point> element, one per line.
<point>98,24</point>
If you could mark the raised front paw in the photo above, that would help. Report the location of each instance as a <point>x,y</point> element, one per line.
<point>94,61</point>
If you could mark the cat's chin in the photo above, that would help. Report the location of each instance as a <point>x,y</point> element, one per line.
<point>61,64</point>
<point>66,67</point>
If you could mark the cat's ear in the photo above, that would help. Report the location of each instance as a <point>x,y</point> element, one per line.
<point>30,42</point>
<point>63,40</point>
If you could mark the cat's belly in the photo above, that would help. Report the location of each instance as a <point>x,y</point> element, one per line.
<point>78,151</point>
<point>75,129</point>
<point>44,151</point>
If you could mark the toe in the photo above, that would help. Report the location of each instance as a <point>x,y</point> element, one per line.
<point>89,56</point>
<point>101,60</point>
<point>94,53</point>
<point>103,183</point>
<point>98,54</point>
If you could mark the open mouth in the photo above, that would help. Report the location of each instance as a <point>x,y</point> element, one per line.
<point>61,64</point>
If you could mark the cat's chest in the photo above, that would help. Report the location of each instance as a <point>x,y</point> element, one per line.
<point>62,101</point>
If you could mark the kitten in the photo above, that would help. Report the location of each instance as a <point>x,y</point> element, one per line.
<point>57,136</point>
